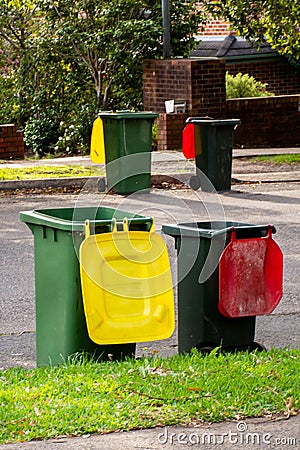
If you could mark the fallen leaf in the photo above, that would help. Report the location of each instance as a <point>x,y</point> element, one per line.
<point>194,389</point>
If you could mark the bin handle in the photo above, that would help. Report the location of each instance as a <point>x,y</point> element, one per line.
<point>114,228</point>
<point>126,225</point>
<point>132,220</point>
<point>87,226</point>
<point>271,229</point>
<point>198,118</point>
<point>269,233</point>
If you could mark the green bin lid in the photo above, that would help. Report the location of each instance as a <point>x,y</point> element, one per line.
<point>216,228</point>
<point>214,122</point>
<point>128,115</point>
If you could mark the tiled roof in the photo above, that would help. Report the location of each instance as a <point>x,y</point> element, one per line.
<point>230,47</point>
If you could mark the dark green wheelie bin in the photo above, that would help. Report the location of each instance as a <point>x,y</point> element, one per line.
<point>213,152</point>
<point>61,329</point>
<point>200,323</point>
<point>128,141</point>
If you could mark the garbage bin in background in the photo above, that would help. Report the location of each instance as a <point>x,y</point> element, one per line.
<point>128,141</point>
<point>61,329</point>
<point>201,325</point>
<point>213,141</point>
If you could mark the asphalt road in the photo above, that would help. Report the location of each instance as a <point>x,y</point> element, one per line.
<point>276,203</point>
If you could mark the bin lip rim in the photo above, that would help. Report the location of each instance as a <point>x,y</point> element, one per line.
<point>128,115</point>
<point>40,217</point>
<point>213,122</point>
<point>183,229</point>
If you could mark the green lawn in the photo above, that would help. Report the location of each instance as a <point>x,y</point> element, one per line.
<point>88,397</point>
<point>279,159</point>
<point>35,172</point>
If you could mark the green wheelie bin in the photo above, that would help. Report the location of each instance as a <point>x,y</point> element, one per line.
<point>200,323</point>
<point>128,140</point>
<point>61,329</point>
<point>213,140</point>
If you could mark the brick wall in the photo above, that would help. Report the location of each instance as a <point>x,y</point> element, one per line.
<point>266,121</point>
<point>170,127</point>
<point>199,82</point>
<point>11,142</point>
<point>216,27</point>
<point>278,73</point>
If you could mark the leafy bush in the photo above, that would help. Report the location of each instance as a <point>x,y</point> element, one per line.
<point>50,134</point>
<point>73,138</point>
<point>40,134</point>
<point>241,86</point>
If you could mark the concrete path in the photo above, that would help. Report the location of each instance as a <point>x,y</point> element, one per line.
<point>252,434</point>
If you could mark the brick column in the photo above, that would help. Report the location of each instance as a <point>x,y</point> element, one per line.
<point>11,142</point>
<point>201,83</point>
<point>170,128</point>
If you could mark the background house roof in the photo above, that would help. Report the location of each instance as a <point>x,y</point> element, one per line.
<point>231,48</point>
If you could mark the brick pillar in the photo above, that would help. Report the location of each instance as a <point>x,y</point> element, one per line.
<point>11,142</point>
<point>170,128</point>
<point>201,83</point>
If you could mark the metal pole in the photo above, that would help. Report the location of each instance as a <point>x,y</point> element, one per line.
<point>166,26</point>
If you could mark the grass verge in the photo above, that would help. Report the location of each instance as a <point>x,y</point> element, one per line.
<point>87,397</point>
<point>31,173</point>
<point>279,159</point>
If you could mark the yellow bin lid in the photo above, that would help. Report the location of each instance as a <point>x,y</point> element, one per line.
<point>126,286</point>
<point>97,148</point>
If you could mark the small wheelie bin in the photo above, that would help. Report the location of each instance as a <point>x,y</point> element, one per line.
<point>210,142</point>
<point>127,141</point>
<point>228,272</point>
<point>61,329</point>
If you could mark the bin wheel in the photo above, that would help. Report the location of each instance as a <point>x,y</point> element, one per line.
<point>195,183</point>
<point>246,348</point>
<point>205,348</point>
<point>101,185</point>
<point>257,346</point>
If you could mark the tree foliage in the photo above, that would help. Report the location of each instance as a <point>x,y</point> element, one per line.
<point>274,21</point>
<point>63,60</point>
<point>111,38</point>
<point>18,27</point>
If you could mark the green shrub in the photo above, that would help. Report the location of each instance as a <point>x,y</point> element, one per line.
<point>40,134</point>
<point>241,86</point>
<point>71,139</point>
<point>48,133</point>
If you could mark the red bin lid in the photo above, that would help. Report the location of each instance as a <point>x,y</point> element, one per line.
<point>250,276</point>
<point>188,141</point>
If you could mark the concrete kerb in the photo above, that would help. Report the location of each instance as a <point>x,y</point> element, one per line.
<point>172,162</point>
<point>252,433</point>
